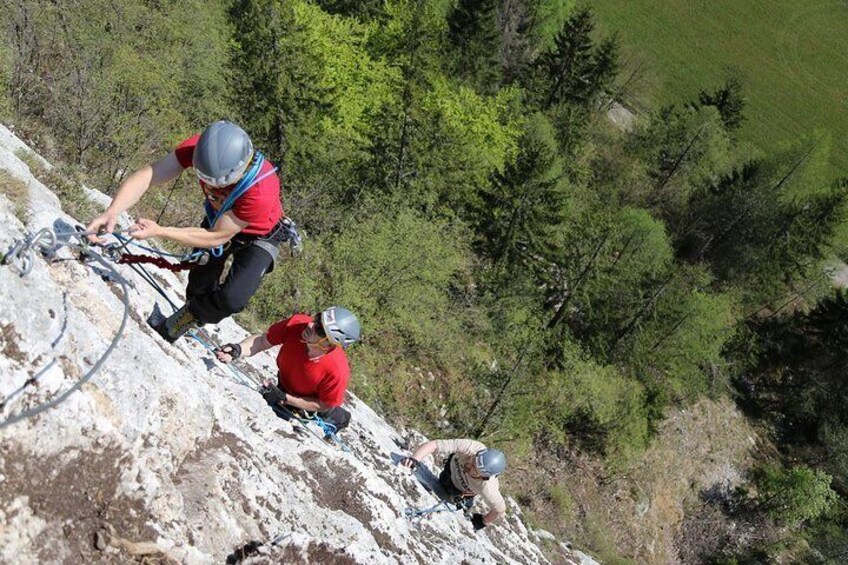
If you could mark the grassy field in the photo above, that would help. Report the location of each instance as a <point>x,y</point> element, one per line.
<point>791,54</point>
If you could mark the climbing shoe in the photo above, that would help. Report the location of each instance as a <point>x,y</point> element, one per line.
<point>177,324</point>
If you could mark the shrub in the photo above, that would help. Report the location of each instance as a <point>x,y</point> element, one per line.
<point>16,191</point>
<point>64,182</point>
<point>793,495</point>
<point>563,502</point>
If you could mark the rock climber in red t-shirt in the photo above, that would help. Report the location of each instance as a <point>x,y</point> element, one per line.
<point>249,229</point>
<point>312,365</point>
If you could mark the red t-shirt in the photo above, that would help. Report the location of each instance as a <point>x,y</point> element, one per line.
<point>260,206</point>
<point>325,377</point>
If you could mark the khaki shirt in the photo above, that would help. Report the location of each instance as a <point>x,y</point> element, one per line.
<point>464,451</point>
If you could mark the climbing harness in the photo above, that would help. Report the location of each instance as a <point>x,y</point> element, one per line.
<point>119,252</point>
<point>21,259</point>
<point>251,178</point>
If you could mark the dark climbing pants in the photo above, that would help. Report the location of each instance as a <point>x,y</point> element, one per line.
<point>210,300</point>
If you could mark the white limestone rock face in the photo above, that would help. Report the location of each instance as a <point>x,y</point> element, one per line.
<point>165,455</point>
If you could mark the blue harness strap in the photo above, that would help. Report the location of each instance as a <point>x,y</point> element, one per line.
<point>250,178</point>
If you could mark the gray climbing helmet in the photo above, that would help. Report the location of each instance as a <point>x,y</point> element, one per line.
<point>490,462</point>
<point>340,326</point>
<point>222,154</point>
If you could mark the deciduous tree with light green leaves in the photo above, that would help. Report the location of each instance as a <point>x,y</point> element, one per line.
<point>525,272</point>
<point>467,138</point>
<point>108,83</point>
<point>397,269</point>
<point>594,406</point>
<point>793,495</point>
<point>674,342</point>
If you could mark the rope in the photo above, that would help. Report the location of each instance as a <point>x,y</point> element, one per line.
<point>325,426</point>
<point>80,232</point>
<point>328,428</point>
<point>250,178</point>
<point>24,253</point>
<point>148,278</point>
<point>33,379</point>
<point>243,378</point>
<point>248,381</point>
<point>419,513</point>
<point>20,258</point>
<point>135,265</point>
<point>183,257</point>
<point>444,504</point>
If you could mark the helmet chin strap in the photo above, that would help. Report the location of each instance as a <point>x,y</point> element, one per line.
<point>314,352</point>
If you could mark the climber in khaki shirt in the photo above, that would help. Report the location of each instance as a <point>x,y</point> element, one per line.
<point>471,469</point>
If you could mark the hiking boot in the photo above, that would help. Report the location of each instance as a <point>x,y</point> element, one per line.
<point>177,324</point>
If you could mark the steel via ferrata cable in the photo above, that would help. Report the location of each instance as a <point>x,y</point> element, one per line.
<point>91,372</point>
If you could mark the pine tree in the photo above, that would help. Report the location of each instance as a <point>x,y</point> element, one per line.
<point>756,225</point>
<point>730,102</point>
<point>682,150</point>
<point>523,206</point>
<point>575,70</point>
<point>472,31</point>
<point>276,84</point>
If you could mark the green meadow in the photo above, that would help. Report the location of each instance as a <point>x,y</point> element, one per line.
<point>792,56</point>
